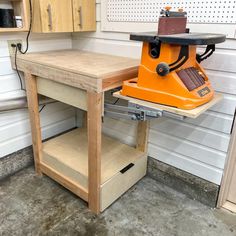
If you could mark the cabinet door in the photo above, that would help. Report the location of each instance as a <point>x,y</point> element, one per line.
<point>56,15</point>
<point>84,15</point>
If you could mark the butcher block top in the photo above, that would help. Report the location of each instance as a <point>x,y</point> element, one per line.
<point>81,69</point>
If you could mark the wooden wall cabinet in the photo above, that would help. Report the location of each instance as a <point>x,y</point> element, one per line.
<point>84,15</point>
<point>64,16</point>
<point>20,9</point>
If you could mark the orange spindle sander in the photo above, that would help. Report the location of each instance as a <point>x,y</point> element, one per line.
<point>170,72</point>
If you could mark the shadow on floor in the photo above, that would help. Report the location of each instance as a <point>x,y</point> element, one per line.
<point>32,205</point>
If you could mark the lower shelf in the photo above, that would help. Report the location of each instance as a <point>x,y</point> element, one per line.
<point>65,159</point>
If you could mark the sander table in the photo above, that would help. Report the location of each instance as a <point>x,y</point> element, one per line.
<point>94,166</point>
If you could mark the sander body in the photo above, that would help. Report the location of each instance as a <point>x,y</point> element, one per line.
<point>170,72</point>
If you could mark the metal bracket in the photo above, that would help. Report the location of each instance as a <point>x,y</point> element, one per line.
<point>183,57</point>
<point>136,112</point>
<point>208,52</point>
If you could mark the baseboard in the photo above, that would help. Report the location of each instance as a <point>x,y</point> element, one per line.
<point>15,162</point>
<point>192,186</point>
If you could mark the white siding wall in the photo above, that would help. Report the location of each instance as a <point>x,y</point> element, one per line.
<point>197,146</point>
<point>14,125</point>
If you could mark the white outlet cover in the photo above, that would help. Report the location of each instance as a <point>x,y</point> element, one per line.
<point>10,42</point>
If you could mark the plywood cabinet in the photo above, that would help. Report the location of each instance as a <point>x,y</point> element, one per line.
<point>84,15</point>
<point>63,15</point>
<point>20,8</point>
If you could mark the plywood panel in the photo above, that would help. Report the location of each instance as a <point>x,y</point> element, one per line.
<point>94,65</point>
<point>194,113</point>
<point>80,69</point>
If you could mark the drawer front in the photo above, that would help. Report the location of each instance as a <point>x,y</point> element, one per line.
<point>121,182</point>
<point>63,93</point>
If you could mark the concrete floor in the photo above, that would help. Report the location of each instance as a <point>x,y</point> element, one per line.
<point>31,205</point>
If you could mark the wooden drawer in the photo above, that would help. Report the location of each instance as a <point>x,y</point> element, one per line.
<point>64,93</point>
<point>121,182</point>
<point>65,159</point>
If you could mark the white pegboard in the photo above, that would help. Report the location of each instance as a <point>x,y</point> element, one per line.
<point>148,11</point>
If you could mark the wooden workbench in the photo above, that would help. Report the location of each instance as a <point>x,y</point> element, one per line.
<point>95,167</point>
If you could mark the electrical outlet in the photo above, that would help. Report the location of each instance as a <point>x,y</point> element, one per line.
<point>10,48</point>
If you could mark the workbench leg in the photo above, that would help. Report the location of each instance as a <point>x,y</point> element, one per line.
<point>32,98</point>
<point>142,135</point>
<point>94,150</point>
<point>85,119</point>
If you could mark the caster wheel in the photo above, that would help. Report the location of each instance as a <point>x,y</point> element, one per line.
<point>163,69</point>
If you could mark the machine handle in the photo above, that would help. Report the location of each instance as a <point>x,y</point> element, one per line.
<point>80,17</point>
<point>209,51</point>
<point>49,10</point>
<point>164,69</point>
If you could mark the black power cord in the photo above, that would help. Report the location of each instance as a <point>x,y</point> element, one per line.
<point>18,46</point>
<point>42,108</point>
<point>17,71</point>
<point>117,100</point>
